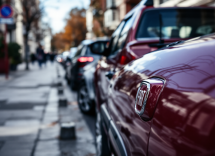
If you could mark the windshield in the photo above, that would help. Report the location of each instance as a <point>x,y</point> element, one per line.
<point>177,23</point>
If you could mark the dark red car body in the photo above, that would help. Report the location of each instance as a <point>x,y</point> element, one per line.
<point>133,48</point>
<point>179,116</point>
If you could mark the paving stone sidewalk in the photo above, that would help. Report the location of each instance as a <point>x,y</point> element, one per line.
<point>30,117</point>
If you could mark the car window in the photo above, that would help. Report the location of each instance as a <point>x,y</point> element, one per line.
<point>79,49</point>
<point>83,50</point>
<point>124,34</point>
<point>115,37</point>
<point>177,23</point>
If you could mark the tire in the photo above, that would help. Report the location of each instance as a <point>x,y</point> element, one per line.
<point>85,104</point>
<point>102,147</point>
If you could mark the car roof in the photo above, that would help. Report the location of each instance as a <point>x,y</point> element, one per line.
<point>88,42</point>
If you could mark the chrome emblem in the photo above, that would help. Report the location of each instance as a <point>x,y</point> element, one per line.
<point>141,97</point>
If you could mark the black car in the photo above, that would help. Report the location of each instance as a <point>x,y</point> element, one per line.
<point>84,56</point>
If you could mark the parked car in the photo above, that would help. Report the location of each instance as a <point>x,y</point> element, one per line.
<point>59,58</point>
<point>84,56</point>
<point>162,103</point>
<point>73,51</point>
<point>86,90</point>
<point>62,58</point>
<point>69,57</point>
<point>145,29</point>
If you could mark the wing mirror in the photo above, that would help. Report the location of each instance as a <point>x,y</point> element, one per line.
<point>99,48</point>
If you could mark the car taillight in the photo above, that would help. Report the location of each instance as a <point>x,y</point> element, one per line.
<point>85,59</point>
<point>60,60</point>
<point>124,60</point>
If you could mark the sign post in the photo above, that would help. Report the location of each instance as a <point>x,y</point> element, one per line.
<point>6,13</point>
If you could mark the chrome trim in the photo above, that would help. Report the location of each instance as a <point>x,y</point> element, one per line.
<point>113,132</point>
<point>116,139</point>
<point>145,99</point>
<point>145,82</point>
<point>105,116</point>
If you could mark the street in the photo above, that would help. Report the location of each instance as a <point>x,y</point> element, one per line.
<point>30,118</point>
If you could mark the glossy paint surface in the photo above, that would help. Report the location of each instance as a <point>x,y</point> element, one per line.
<point>188,70</point>
<point>132,50</point>
<point>184,118</point>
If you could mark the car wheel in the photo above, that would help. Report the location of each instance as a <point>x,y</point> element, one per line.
<point>101,139</point>
<point>84,102</point>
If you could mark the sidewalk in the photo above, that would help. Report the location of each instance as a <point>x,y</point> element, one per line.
<point>30,117</point>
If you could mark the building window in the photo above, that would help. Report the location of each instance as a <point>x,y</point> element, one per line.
<point>114,15</point>
<point>163,1</point>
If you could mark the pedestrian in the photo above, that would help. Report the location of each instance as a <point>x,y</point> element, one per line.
<point>52,57</point>
<point>44,59</point>
<point>33,58</point>
<point>40,55</point>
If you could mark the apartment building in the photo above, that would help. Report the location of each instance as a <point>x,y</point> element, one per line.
<point>116,11</point>
<point>183,3</point>
<point>89,23</point>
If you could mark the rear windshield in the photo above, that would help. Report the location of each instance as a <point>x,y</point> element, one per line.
<point>177,23</point>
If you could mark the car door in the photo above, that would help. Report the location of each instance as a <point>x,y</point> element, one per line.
<point>109,65</point>
<point>133,130</point>
<point>106,66</point>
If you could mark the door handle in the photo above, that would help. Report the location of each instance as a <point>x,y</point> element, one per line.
<point>109,75</point>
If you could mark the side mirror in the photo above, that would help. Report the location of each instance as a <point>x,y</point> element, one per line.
<point>98,48</point>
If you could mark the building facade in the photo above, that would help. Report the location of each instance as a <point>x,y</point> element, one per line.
<point>183,3</point>
<point>116,11</point>
<point>89,23</point>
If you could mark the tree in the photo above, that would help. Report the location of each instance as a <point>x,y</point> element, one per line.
<point>74,31</point>
<point>57,42</point>
<point>31,14</point>
<point>98,18</point>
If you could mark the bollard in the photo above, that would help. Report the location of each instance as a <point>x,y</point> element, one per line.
<point>58,74</point>
<point>60,90</point>
<point>62,102</point>
<point>67,131</point>
<point>59,83</point>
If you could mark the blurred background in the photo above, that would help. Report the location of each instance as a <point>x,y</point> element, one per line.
<point>59,25</point>
<point>39,40</point>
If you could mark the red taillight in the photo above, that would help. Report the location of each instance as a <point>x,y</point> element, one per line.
<point>85,59</point>
<point>124,60</point>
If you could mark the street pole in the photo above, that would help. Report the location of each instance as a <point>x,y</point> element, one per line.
<point>6,61</point>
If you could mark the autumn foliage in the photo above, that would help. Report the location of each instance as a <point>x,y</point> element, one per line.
<point>98,18</point>
<point>74,31</point>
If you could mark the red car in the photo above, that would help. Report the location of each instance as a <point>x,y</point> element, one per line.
<point>162,103</point>
<point>146,29</point>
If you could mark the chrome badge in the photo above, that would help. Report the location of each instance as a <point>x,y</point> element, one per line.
<point>141,97</point>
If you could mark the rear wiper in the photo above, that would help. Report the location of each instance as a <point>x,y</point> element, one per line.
<point>168,45</point>
<point>158,45</point>
<point>174,43</point>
